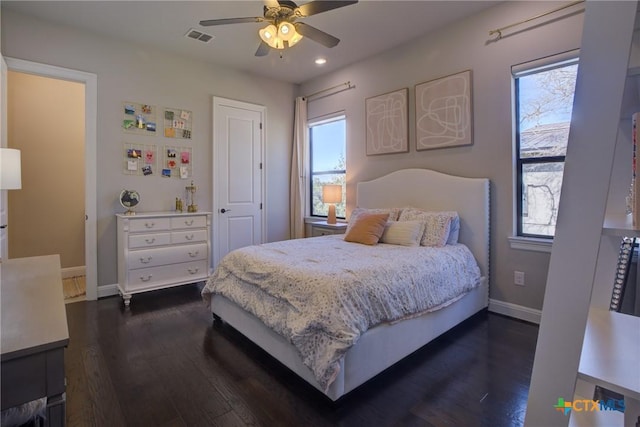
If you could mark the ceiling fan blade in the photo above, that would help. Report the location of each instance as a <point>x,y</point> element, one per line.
<point>226,21</point>
<point>263,49</point>
<point>316,35</point>
<point>319,6</point>
<point>271,3</point>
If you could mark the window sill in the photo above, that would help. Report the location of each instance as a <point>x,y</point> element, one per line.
<point>530,244</point>
<point>314,219</point>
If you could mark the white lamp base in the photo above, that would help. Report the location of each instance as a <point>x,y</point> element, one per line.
<point>331,217</point>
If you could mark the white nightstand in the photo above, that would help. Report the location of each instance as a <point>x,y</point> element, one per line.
<point>321,228</point>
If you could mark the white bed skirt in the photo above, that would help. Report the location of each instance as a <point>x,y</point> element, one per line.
<point>388,342</point>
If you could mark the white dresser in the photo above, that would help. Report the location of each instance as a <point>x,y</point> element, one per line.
<point>162,249</point>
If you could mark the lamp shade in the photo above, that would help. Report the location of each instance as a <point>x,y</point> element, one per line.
<point>332,193</point>
<point>10,175</point>
<point>286,31</point>
<point>269,35</point>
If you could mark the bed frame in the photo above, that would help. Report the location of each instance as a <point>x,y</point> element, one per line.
<point>420,188</point>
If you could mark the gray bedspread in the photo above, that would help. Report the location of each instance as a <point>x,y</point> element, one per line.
<point>322,293</point>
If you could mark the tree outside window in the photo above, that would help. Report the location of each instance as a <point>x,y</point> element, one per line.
<point>544,102</point>
<point>327,143</point>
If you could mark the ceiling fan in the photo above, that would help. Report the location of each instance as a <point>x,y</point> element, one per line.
<point>283,30</point>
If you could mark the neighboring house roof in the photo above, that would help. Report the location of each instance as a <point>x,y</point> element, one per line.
<point>546,140</point>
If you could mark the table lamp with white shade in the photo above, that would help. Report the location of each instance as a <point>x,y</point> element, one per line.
<point>331,194</point>
<point>10,175</point>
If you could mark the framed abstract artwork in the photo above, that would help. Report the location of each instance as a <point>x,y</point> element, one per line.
<point>444,112</point>
<point>387,122</point>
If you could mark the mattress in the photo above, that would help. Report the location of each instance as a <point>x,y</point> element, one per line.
<point>322,293</point>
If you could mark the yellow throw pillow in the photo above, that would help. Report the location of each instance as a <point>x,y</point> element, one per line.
<point>367,228</point>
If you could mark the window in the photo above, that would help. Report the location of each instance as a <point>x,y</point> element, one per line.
<point>544,100</point>
<point>327,145</point>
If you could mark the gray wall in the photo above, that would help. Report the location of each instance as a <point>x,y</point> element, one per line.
<point>136,73</point>
<point>461,46</point>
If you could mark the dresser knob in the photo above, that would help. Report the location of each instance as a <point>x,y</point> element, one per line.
<point>150,241</point>
<point>190,237</point>
<point>146,279</point>
<point>188,222</point>
<point>149,224</point>
<point>145,261</point>
<point>193,255</point>
<point>193,270</point>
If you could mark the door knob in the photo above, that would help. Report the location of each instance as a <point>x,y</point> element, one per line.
<point>223,210</point>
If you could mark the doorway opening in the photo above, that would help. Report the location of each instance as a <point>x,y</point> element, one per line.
<point>61,207</point>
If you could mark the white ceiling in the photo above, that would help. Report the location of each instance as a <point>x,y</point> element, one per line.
<point>365,29</point>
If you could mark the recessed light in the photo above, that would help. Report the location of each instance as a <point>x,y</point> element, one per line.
<point>321,61</point>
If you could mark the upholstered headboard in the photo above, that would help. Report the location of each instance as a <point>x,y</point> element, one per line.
<point>427,189</point>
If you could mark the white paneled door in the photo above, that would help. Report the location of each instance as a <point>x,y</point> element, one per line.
<point>238,169</point>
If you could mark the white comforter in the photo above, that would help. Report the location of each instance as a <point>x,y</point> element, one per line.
<point>322,293</point>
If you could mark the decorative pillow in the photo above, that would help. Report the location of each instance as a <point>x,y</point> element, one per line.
<point>394,213</point>
<point>367,228</point>
<point>437,225</point>
<point>454,232</point>
<point>405,233</point>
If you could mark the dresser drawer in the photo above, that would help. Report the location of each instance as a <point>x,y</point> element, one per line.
<point>149,224</point>
<point>188,222</point>
<point>189,236</point>
<point>324,229</point>
<point>151,277</point>
<point>149,240</point>
<point>167,255</point>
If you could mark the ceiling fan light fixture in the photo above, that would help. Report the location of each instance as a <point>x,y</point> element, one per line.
<point>271,36</point>
<point>283,36</point>
<point>295,38</point>
<point>286,31</point>
<point>268,34</point>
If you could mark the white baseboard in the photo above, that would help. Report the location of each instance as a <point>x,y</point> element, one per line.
<point>514,310</point>
<point>73,271</point>
<point>107,290</point>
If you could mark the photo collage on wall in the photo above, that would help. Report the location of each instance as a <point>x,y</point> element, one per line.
<point>177,123</point>
<point>177,162</point>
<point>148,159</point>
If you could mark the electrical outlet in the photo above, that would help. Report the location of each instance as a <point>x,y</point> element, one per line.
<point>518,278</point>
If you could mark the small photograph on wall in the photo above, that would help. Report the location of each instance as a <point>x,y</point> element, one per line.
<point>444,112</point>
<point>387,123</point>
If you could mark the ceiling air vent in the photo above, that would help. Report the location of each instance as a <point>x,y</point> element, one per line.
<point>199,35</point>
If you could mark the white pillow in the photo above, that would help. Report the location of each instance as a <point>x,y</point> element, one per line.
<point>437,225</point>
<point>454,230</point>
<point>405,233</point>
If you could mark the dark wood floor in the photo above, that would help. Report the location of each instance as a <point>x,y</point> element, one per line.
<point>163,363</point>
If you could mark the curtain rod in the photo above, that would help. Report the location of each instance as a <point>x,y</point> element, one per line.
<point>348,84</point>
<point>499,30</point>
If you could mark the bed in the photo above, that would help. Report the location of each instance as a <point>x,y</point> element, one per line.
<point>372,348</point>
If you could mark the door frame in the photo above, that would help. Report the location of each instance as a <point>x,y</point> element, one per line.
<point>217,103</point>
<point>90,82</point>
